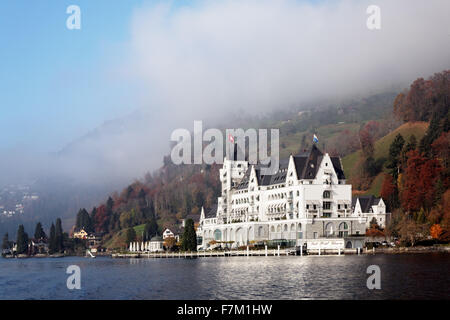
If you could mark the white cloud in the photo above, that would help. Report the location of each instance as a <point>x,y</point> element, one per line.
<point>215,58</point>
<point>218,56</point>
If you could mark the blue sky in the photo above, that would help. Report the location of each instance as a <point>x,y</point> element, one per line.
<point>52,85</point>
<point>55,83</point>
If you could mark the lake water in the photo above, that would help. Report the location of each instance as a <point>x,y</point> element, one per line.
<point>405,276</point>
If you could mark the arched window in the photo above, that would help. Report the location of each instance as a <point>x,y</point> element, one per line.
<point>343,230</point>
<point>329,229</point>
<point>272,229</point>
<point>285,227</point>
<point>326,194</point>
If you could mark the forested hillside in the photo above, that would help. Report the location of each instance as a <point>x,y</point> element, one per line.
<point>414,174</point>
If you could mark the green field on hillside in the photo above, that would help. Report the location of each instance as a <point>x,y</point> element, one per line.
<point>382,150</point>
<point>118,240</point>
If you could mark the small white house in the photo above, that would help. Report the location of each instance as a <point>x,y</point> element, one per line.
<point>168,234</point>
<point>371,207</point>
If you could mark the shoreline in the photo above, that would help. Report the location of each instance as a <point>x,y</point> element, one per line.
<point>283,252</point>
<point>251,253</point>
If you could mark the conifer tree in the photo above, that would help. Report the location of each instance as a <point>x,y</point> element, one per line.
<point>5,242</point>
<point>393,161</point>
<point>59,240</point>
<point>22,240</point>
<point>189,240</point>
<point>131,235</point>
<point>39,232</point>
<point>52,240</point>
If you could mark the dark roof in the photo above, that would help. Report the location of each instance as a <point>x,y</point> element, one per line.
<point>212,213</point>
<point>366,202</point>
<point>337,165</point>
<point>306,166</point>
<point>156,238</point>
<point>276,178</point>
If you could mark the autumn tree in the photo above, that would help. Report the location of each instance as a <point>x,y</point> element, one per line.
<point>435,231</point>
<point>169,243</point>
<point>367,142</point>
<point>389,192</point>
<point>419,182</point>
<point>441,149</point>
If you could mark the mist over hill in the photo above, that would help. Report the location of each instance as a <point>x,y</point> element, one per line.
<point>230,64</point>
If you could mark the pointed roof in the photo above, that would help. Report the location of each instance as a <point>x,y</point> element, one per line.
<point>307,164</point>
<point>366,202</point>
<point>337,165</point>
<point>212,213</point>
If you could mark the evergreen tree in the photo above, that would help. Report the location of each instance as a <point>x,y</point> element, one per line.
<point>150,229</point>
<point>439,123</point>
<point>109,204</point>
<point>393,161</point>
<point>39,232</point>
<point>5,243</point>
<point>52,240</point>
<point>59,240</point>
<point>22,240</point>
<point>189,239</point>
<point>142,198</point>
<point>110,220</point>
<point>84,221</point>
<point>131,235</point>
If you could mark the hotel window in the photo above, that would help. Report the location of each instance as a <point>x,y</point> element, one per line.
<point>326,205</point>
<point>326,194</point>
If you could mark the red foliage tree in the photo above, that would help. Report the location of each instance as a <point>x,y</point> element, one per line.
<point>419,182</point>
<point>389,191</point>
<point>367,142</point>
<point>101,219</point>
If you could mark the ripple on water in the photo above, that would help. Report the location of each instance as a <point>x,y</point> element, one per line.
<point>326,277</point>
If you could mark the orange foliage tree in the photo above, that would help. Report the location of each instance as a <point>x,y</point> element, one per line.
<point>435,231</point>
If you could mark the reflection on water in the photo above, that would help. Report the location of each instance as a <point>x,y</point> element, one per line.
<point>421,276</point>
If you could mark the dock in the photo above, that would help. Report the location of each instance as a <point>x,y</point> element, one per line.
<point>237,253</point>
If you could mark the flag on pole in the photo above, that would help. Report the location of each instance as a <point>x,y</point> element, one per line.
<point>315,139</point>
<point>231,138</point>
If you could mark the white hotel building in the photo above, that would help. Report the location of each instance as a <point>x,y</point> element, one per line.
<point>305,202</point>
